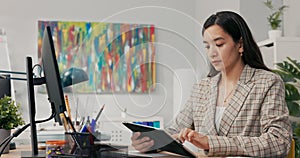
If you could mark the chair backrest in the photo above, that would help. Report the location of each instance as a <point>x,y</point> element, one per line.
<point>292,150</point>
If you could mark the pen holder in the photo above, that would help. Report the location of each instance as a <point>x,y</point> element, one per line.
<point>79,143</point>
<point>83,145</point>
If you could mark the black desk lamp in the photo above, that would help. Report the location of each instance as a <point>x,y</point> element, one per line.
<point>70,77</point>
<point>73,76</point>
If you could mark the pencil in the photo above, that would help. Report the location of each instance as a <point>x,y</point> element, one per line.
<point>68,107</point>
<point>64,121</point>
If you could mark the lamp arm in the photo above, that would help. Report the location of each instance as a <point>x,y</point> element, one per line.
<point>12,78</point>
<point>36,81</point>
<point>13,72</point>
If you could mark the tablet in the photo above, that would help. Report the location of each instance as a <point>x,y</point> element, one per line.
<point>162,140</point>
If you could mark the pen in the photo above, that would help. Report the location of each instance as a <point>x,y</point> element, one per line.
<point>92,126</point>
<point>81,124</point>
<point>99,113</point>
<point>86,126</point>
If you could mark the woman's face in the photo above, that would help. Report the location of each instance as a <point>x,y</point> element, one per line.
<point>222,51</point>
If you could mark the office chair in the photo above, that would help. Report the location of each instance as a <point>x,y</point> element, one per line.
<point>292,150</point>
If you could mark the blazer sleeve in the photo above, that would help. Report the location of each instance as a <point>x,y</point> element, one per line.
<point>275,131</point>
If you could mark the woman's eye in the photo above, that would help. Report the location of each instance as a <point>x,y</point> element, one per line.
<point>219,45</point>
<point>207,47</point>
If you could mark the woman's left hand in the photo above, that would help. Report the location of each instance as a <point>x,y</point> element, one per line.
<point>199,140</point>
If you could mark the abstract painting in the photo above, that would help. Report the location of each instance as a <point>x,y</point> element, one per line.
<point>117,57</point>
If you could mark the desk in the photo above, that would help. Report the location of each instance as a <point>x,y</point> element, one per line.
<point>17,153</point>
<point>154,155</point>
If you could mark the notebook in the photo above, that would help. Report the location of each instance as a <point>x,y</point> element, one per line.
<point>162,140</point>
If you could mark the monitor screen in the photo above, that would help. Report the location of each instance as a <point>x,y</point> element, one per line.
<point>51,74</point>
<point>5,89</point>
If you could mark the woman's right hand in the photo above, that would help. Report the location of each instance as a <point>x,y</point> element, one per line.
<point>141,144</point>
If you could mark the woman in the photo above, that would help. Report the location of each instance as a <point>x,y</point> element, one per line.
<point>239,109</point>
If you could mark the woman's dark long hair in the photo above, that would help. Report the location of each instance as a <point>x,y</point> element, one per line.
<point>233,24</point>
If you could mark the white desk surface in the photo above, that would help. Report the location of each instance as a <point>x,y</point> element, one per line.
<point>17,153</point>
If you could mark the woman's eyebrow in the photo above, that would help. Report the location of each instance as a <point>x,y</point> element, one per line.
<point>216,39</point>
<point>219,38</point>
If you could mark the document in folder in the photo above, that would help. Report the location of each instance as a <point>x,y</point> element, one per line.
<point>162,140</point>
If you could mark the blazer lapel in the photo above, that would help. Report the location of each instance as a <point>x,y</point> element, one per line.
<point>237,101</point>
<point>209,121</point>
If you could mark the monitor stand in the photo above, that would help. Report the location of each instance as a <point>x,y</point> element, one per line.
<point>31,104</point>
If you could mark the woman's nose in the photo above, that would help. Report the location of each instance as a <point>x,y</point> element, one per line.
<point>212,52</point>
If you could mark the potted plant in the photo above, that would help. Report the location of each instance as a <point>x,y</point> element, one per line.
<point>289,71</point>
<point>274,19</point>
<point>10,118</point>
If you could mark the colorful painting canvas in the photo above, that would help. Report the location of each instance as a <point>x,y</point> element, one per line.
<point>117,57</point>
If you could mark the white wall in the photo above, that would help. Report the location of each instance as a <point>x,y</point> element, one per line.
<point>255,13</point>
<point>291,19</point>
<point>174,21</point>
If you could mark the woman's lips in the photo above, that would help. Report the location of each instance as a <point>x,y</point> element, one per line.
<point>216,61</point>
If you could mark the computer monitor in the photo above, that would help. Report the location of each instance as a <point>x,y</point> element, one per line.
<point>51,74</point>
<point>53,85</point>
<point>5,87</point>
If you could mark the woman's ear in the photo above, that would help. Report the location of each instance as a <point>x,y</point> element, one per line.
<point>241,46</point>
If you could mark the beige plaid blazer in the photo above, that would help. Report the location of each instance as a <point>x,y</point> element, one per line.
<point>255,122</point>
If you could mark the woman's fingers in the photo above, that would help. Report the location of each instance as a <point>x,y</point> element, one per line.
<point>145,146</point>
<point>183,135</point>
<point>141,144</point>
<point>140,141</point>
<point>135,135</point>
<point>190,135</point>
<point>195,138</point>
